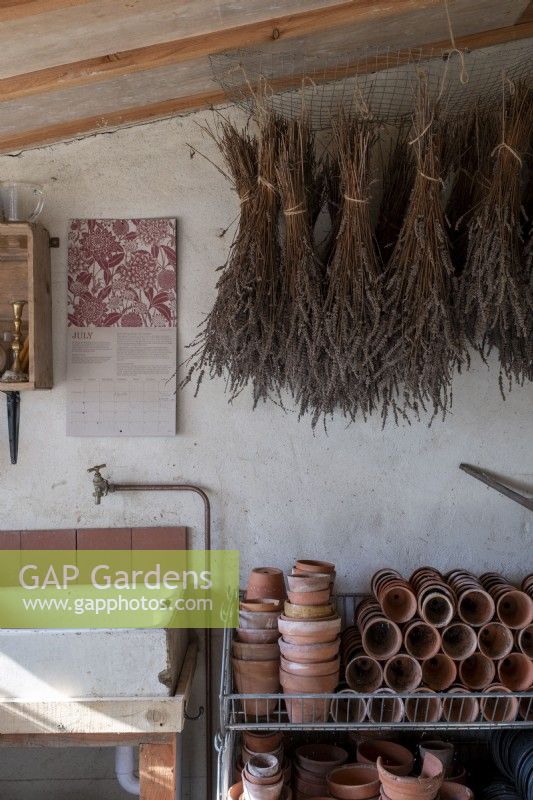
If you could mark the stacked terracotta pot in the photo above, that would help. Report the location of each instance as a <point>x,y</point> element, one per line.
<point>261,745</point>
<point>310,641</point>
<point>255,651</point>
<point>312,765</point>
<point>433,634</point>
<point>263,779</point>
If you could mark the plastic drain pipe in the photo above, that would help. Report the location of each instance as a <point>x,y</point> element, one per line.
<point>125,768</point>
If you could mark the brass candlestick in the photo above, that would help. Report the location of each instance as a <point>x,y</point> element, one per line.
<point>15,374</point>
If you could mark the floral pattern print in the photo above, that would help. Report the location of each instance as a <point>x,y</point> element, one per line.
<point>122,273</point>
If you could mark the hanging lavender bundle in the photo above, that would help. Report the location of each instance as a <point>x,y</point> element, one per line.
<point>425,345</point>
<point>353,308</point>
<point>240,336</point>
<point>303,273</point>
<point>496,297</point>
<point>472,138</point>
<point>225,342</point>
<point>398,175</point>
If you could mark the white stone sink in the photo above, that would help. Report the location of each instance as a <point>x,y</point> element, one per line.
<point>54,664</point>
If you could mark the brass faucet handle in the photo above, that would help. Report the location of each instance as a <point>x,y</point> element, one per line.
<point>97,468</point>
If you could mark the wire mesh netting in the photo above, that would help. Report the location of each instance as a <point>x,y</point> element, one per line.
<point>383,80</point>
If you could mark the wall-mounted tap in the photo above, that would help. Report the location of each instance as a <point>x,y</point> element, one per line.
<point>101,486</point>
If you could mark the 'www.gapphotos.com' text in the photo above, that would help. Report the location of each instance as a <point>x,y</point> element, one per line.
<point>113,605</point>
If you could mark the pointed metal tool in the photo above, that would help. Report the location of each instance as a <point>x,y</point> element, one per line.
<point>13,423</point>
<point>489,480</point>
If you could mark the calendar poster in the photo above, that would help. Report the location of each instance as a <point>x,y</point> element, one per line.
<point>121,330</point>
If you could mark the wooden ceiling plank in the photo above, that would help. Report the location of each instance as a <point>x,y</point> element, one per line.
<point>99,27</point>
<point>527,15</point>
<point>197,99</point>
<point>21,9</point>
<point>255,34</point>
<point>70,130</point>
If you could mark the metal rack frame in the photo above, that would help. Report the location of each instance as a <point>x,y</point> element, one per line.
<point>234,717</point>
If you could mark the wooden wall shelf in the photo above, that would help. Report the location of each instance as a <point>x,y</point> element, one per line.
<point>25,275</point>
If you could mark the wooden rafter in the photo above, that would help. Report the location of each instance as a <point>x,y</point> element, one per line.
<point>192,52</point>
<point>113,65</point>
<point>18,9</point>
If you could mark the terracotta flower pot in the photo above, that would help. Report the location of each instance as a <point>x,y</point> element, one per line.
<point>382,577</point>
<point>495,640</point>
<point>423,706</point>
<point>253,791</point>
<point>309,684</point>
<point>320,759</point>
<point>382,638</point>
<point>308,612</point>
<point>258,620</point>
<point>257,677</point>
<point>318,598</point>
<point>524,641</point>
<point>251,636</point>
<point>476,672</point>
<point>436,607</point>
<point>459,641</point>
<point>385,706</point>
<point>402,673</point>
<point>265,582</point>
<point>312,566</point>
<point>309,653</point>
<point>309,631</point>
<point>313,709</point>
<point>247,754</point>
<point>397,600</point>
<point>426,786</point>
<point>304,584</point>
<point>397,759</point>
<point>235,791</point>
<point>444,751</point>
<point>364,674</point>
<point>460,709</point>
<point>421,640</point>
<point>439,672</point>
<point>347,707</point>
<point>259,742</point>
<point>255,652</point>
<point>515,609</point>
<point>515,672</point>
<point>263,766</point>
<point>353,782</point>
<point>498,709</point>
<point>475,607</point>
<point>261,605</point>
<point>311,670</point>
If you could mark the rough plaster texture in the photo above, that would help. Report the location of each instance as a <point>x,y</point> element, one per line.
<point>360,496</point>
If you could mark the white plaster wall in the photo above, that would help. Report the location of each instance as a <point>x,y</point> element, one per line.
<point>360,496</point>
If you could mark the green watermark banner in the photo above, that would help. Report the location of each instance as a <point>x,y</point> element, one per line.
<point>119,588</point>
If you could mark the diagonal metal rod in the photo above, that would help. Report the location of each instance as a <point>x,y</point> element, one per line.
<point>488,479</point>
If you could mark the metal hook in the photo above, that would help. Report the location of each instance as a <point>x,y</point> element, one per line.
<point>192,717</point>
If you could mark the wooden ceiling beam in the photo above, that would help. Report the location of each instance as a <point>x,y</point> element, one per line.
<point>19,9</point>
<point>255,34</point>
<point>527,15</point>
<point>63,131</point>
